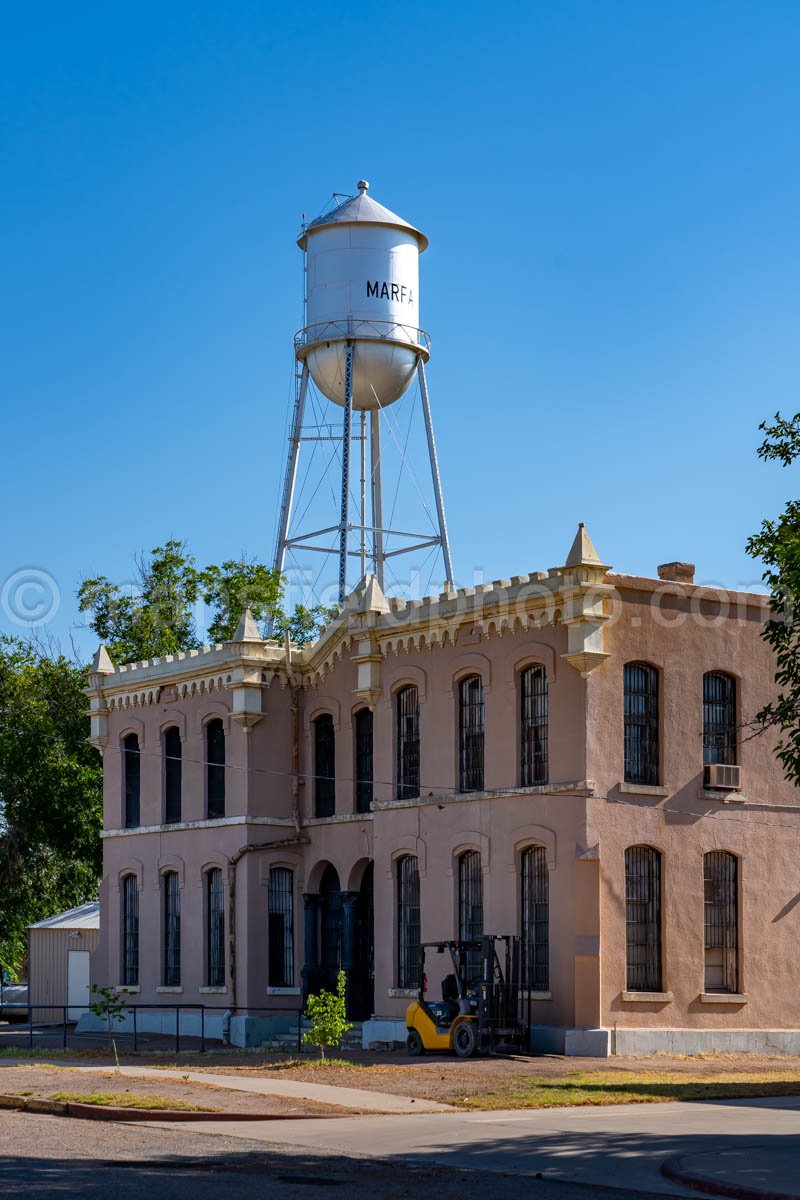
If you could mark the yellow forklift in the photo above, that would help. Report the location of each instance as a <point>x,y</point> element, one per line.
<point>479,1009</point>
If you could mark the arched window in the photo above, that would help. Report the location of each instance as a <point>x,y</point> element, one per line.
<point>721,921</point>
<point>172,930</point>
<point>324,766</point>
<point>719,718</point>
<point>215,931</point>
<point>172,774</point>
<point>132,770</point>
<point>363,760</point>
<point>470,734</point>
<point>470,907</point>
<point>535,919</point>
<point>408,922</point>
<point>215,768</point>
<point>643,918</point>
<point>408,742</point>
<point>641,723</point>
<point>533,731</point>
<point>130,931</point>
<point>281,927</point>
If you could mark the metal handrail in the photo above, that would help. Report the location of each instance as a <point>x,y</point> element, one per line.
<point>360,327</point>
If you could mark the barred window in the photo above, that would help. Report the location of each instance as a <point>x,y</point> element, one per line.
<point>535,919</point>
<point>470,907</point>
<point>719,718</point>
<point>363,760</point>
<point>408,922</point>
<point>130,931</point>
<point>172,774</point>
<point>534,715</point>
<point>643,918</point>
<point>408,743</point>
<point>132,768</point>
<point>641,723</point>
<point>172,930</point>
<point>324,766</point>
<point>215,933</point>
<point>470,734</point>
<point>281,927</point>
<point>215,768</point>
<point>721,922</point>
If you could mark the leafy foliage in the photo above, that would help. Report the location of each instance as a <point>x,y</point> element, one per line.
<point>777,544</point>
<point>328,1016</point>
<point>50,794</point>
<point>236,585</point>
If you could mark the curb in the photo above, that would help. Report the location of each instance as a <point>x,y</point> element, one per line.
<point>100,1112</point>
<point>675,1170</point>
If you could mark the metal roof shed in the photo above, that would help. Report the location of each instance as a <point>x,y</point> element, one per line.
<point>60,951</point>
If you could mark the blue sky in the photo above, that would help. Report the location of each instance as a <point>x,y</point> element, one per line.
<point>611,192</point>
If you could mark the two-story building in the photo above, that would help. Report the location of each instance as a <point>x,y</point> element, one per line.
<point>566,755</point>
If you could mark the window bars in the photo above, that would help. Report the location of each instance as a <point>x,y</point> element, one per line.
<point>470,734</point>
<point>172,930</point>
<point>719,718</point>
<point>132,767</point>
<point>363,760</point>
<point>643,918</point>
<point>535,920</point>
<point>172,775</point>
<point>215,938</point>
<point>130,931</point>
<point>534,715</point>
<point>641,723</point>
<point>408,743</point>
<point>470,907</point>
<point>408,922</point>
<point>332,921</point>
<point>215,768</point>
<point>324,766</point>
<point>721,921</point>
<point>280,927</point>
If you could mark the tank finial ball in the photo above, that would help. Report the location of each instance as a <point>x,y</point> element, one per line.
<point>363,186</point>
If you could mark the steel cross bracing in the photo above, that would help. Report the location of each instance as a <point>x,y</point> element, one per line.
<point>372,536</point>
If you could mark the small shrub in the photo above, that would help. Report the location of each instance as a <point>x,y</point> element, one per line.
<point>328,1016</point>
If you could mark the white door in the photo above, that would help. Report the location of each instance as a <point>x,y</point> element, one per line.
<point>77,983</point>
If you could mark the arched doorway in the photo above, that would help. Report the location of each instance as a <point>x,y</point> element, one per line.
<point>330,928</point>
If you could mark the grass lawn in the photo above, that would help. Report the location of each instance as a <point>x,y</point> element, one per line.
<point>130,1100</point>
<point>623,1087</point>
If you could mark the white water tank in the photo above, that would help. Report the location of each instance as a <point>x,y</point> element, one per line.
<point>362,286</point>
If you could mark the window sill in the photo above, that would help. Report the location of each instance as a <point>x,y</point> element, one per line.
<point>283,991</point>
<point>403,993</point>
<point>647,997</point>
<point>535,995</point>
<point>724,998</point>
<point>642,789</point>
<point>170,991</point>
<point>130,988</point>
<point>211,991</point>
<point>723,795</point>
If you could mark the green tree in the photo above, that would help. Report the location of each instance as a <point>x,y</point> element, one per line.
<point>304,624</point>
<point>50,794</point>
<point>236,585</point>
<point>777,545</point>
<point>327,1013</point>
<point>152,615</point>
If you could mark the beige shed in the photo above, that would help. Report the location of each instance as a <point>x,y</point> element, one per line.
<point>60,951</point>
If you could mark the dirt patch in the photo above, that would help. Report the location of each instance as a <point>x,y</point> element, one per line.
<point>43,1082</point>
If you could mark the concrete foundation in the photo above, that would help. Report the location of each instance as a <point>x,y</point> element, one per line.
<point>704,1041</point>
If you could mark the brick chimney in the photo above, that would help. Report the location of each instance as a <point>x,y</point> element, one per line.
<point>676,572</point>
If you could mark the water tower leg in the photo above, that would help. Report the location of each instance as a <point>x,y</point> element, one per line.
<point>437,482</point>
<point>377,494</point>
<point>291,471</point>
<point>345,513</point>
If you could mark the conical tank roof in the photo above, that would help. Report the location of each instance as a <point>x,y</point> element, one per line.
<point>361,209</point>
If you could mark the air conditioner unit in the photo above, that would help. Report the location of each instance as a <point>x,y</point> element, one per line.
<point>723,776</point>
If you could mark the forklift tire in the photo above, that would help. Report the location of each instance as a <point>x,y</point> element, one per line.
<point>414,1044</point>
<point>465,1039</point>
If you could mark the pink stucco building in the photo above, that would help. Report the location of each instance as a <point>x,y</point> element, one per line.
<point>563,755</point>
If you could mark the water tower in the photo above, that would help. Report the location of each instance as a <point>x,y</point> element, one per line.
<point>363,348</point>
